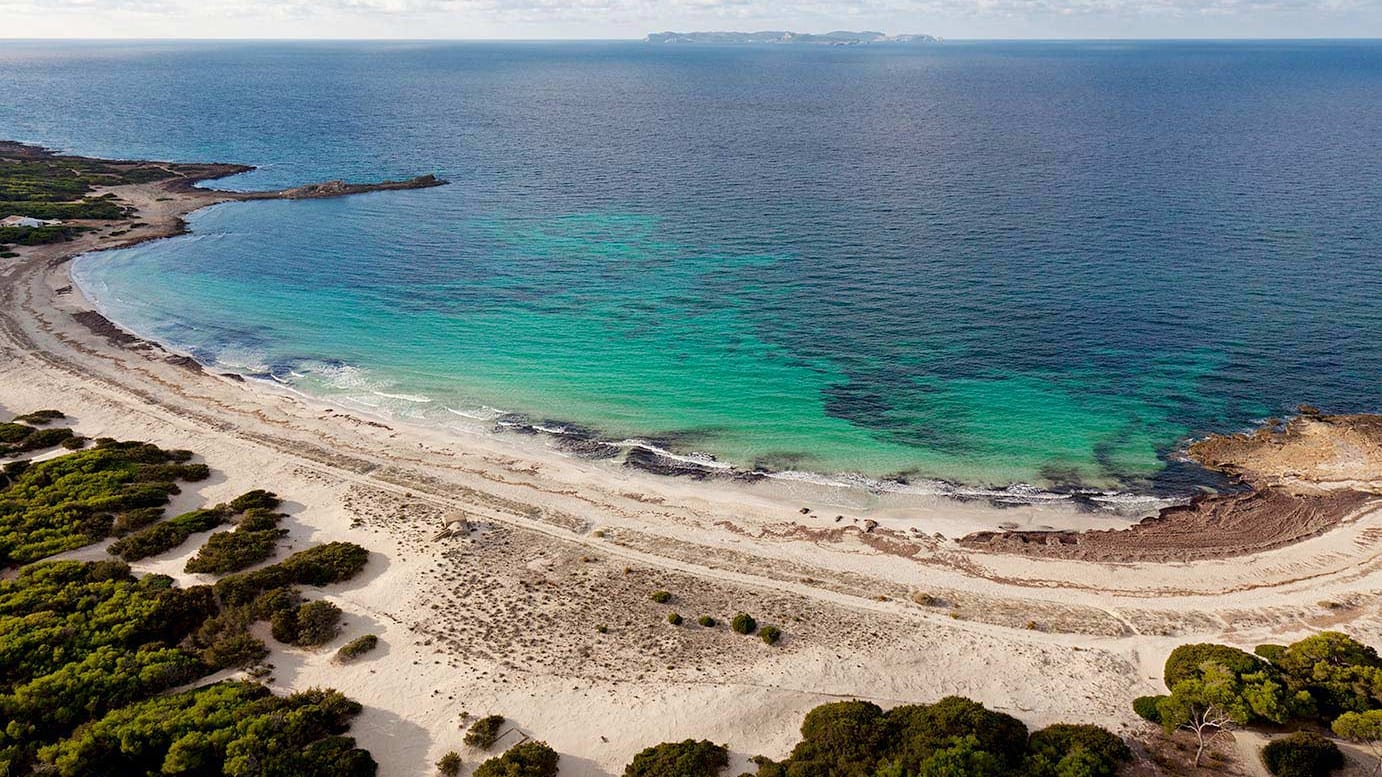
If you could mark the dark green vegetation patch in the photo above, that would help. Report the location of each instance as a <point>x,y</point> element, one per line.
<point>61,187</point>
<point>78,499</point>
<point>530,759</point>
<point>240,726</point>
<point>90,654</point>
<point>357,647</point>
<point>24,434</point>
<point>254,539</point>
<point>484,732</point>
<point>680,759</point>
<point>1328,678</point>
<point>1302,754</point>
<point>954,736</point>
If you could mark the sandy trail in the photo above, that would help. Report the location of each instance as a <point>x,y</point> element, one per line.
<point>504,620</point>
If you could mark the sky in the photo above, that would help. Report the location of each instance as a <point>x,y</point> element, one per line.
<point>634,18</point>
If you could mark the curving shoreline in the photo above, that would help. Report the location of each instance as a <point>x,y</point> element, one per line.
<point>569,543</point>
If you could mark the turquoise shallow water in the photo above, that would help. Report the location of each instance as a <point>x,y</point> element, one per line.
<point>988,263</point>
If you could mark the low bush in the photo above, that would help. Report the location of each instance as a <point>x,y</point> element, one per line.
<point>1068,749</point>
<point>226,728</point>
<point>165,536</point>
<point>706,621</point>
<point>356,647</point>
<point>530,759</point>
<point>1186,661</point>
<point>679,759</point>
<point>1146,708</point>
<point>1302,754</point>
<point>743,623</point>
<point>21,438</point>
<point>662,597</point>
<point>274,601</point>
<point>133,520</point>
<point>258,499</point>
<point>40,417</point>
<point>770,634</point>
<point>235,650</point>
<point>283,625</point>
<point>484,732</point>
<point>252,541</point>
<point>320,565</point>
<point>307,625</point>
<point>318,623</point>
<point>674,619</point>
<point>450,764</point>
<point>953,737</point>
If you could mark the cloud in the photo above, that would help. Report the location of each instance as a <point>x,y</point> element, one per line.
<point>646,10</point>
<point>633,18</point>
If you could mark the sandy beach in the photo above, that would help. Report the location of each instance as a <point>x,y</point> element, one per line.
<point>877,596</point>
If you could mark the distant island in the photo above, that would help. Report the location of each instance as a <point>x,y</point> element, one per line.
<point>837,38</point>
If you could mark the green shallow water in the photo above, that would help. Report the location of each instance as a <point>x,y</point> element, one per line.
<point>634,338</point>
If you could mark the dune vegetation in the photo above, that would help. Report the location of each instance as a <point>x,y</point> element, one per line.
<point>103,670</point>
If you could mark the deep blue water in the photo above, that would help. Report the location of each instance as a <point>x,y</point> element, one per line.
<point>988,262</point>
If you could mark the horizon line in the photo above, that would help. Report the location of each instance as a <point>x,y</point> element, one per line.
<point>943,39</point>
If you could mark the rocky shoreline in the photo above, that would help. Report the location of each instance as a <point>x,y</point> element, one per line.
<point>1302,476</point>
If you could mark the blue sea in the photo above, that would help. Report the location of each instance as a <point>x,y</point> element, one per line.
<point>988,263</point>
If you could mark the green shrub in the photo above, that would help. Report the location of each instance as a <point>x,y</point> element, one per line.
<point>257,499</point>
<point>257,519</point>
<point>69,501</point>
<point>1186,661</point>
<point>133,520</point>
<point>40,417</point>
<point>744,623</point>
<point>530,759</point>
<point>770,634</point>
<point>1055,751</point>
<point>240,725</point>
<point>706,621</point>
<point>317,623</point>
<point>662,597</point>
<point>283,625</point>
<point>1146,707</point>
<point>273,601</point>
<point>954,736</point>
<point>253,540</point>
<point>450,764</point>
<point>484,732</point>
<point>165,536</point>
<point>357,647</point>
<point>319,565</point>
<point>235,650</point>
<point>20,438</point>
<point>1302,754</point>
<point>307,625</point>
<point>674,619</point>
<point>1336,671</point>
<point>679,759</point>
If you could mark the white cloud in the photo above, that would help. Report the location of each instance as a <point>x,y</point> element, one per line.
<point>624,18</point>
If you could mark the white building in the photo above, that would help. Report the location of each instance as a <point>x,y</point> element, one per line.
<point>25,221</point>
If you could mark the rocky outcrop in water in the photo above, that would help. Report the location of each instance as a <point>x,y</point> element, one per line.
<point>1305,476</point>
